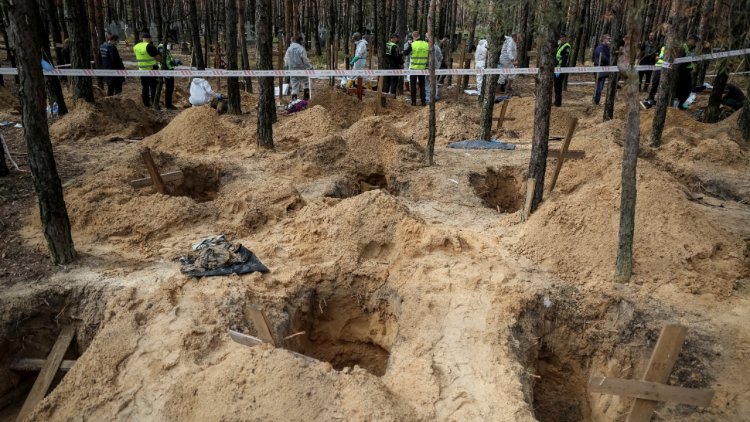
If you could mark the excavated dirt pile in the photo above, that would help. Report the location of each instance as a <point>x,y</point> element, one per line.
<point>111,116</point>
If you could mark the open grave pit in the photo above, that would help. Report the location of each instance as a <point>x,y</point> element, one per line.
<point>500,189</point>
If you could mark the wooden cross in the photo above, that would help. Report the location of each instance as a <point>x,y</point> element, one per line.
<point>563,151</point>
<point>47,371</point>
<point>500,120</point>
<point>651,389</point>
<point>265,335</point>
<point>153,171</point>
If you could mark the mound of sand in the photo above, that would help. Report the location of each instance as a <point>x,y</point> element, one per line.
<point>110,116</point>
<point>201,130</point>
<point>312,123</point>
<point>575,231</point>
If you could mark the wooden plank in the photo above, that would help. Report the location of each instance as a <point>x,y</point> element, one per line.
<point>651,391</point>
<point>244,338</point>
<point>153,171</point>
<point>659,367</point>
<point>530,187</point>
<point>359,88</point>
<point>44,380</point>
<point>37,364</point>
<point>259,320</point>
<point>172,176</point>
<point>503,110</point>
<point>380,95</point>
<point>571,154</point>
<point>561,157</point>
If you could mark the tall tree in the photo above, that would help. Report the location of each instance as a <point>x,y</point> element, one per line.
<point>54,89</point>
<point>242,38</point>
<point>264,59</point>
<point>614,46</point>
<point>743,123</point>
<point>548,24</point>
<point>80,49</point>
<point>233,84</point>
<point>624,263</point>
<point>200,64</point>
<point>664,93</point>
<point>487,96</point>
<point>433,82</point>
<point>24,23</point>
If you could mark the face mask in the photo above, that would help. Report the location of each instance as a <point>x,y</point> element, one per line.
<point>169,46</point>
<point>559,42</point>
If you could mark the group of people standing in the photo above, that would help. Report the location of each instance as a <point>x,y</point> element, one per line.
<point>508,60</point>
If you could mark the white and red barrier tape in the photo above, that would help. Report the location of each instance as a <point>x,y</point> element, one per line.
<point>222,73</point>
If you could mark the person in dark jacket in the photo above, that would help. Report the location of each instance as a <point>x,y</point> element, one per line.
<point>733,97</point>
<point>601,58</point>
<point>393,60</point>
<point>649,51</point>
<point>111,60</point>
<point>563,56</point>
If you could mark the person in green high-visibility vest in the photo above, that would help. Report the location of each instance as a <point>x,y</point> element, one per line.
<point>147,56</point>
<point>169,80</point>
<point>419,51</point>
<point>684,84</point>
<point>562,55</point>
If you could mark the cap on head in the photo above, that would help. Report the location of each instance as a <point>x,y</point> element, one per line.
<point>356,36</point>
<point>563,36</point>
<point>146,36</point>
<point>415,35</point>
<point>395,35</point>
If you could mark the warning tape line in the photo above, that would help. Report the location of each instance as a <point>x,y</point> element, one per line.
<point>185,73</point>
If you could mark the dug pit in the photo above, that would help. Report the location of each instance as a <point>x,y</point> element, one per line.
<point>201,183</point>
<point>361,183</point>
<point>499,189</point>
<point>341,330</point>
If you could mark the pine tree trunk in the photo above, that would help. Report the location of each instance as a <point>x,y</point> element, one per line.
<point>713,110</point>
<point>664,93</point>
<point>233,84</point>
<point>25,24</point>
<point>4,170</point>
<point>80,49</point>
<point>264,59</point>
<point>242,17</point>
<point>546,58</point>
<point>470,41</point>
<point>161,39</point>
<point>54,89</point>
<point>490,81</point>
<point>200,64</point>
<point>744,121</point>
<point>609,104</point>
<point>624,264</point>
<point>433,83</point>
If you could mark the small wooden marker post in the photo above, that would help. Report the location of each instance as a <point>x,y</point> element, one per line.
<point>153,171</point>
<point>563,151</point>
<point>650,390</point>
<point>259,320</point>
<point>530,188</point>
<point>359,88</point>
<point>380,95</point>
<point>48,371</point>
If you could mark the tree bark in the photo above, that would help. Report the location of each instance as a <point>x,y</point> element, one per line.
<point>664,93</point>
<point>25,24</point>
<point>547,37</point>
<point>714,101</point>
<point>609,104</point>
<point>624,263</point>
<point>195,36</point>
<point>744,121</point>
<point>54,89</point>
<point>80,49</point>
<point>233,84</point>
<point>264,61</point>
<point>487,95</point>
<point>433,83</point>
<point>470,41</point>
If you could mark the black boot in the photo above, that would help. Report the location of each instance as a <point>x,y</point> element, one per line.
<point>306,95</point>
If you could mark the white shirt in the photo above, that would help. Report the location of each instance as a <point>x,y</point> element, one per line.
<point>200,92</point>
<point>508,54</point>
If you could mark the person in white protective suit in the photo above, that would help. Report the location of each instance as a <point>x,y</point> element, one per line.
<point>202,94</point>
<point>480,57</point>
<point>508,60</point>
<point>359,61</point>
<point>296,59</point>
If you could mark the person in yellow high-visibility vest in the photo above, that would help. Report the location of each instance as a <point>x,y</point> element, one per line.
<point>147,56</point>
<point>419,51</point>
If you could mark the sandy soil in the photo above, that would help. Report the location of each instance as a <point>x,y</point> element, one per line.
<point>425,298</point>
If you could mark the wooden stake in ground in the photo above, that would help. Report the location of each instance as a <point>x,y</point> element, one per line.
<point>260,321</point>
<point>153,171</point>
<point>380,95</point>
<point>563,151</point>
<point>433,84</point>
<point>530,188</point>
<point>44,380</point>
<point>359,88</point>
